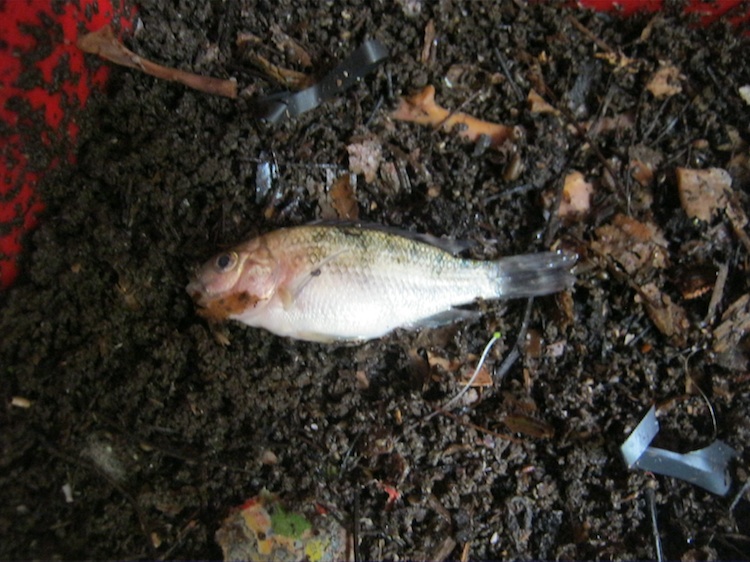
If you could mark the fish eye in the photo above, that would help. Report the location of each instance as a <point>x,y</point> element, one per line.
<point>225,262</point>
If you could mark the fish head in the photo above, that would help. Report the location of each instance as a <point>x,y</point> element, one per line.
<point>234,283</point>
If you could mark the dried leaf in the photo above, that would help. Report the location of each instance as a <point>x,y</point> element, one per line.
<point>531,427</point>
<point>286,77</point>
<point>448,365</point>
<point>482,380</point>
<point>343,200</point>
<point>665,82</point>
<point>365,158</point>
<point>619,60</point>
<point>537,104</point>
<point>293,50</point>
<point>422,109</point>
<point>703,193</point>
<point>576,196</point>
<point>634,245</point>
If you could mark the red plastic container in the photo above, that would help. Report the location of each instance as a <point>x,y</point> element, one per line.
<point>42,90</point>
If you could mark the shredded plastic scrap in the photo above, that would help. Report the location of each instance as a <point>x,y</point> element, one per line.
<point>276,108</point>
<point>706,467</point>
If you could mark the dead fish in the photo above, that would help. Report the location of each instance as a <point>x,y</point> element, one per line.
<point>352,283</point>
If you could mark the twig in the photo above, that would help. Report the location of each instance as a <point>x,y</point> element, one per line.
<point>452,402</point>
<point>583,29</point>
<point>104,43</point>
<point>479,428</point>
<point>650,498</point>
<point>504,65</point>
<point>718,293</point>
<point>515,354</point>
<point>738,497</point>
<point>355,528</point>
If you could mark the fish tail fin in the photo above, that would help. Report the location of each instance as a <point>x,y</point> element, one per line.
<point>531,275</point>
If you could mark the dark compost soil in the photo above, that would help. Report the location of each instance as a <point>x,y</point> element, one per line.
<point>159,429</point>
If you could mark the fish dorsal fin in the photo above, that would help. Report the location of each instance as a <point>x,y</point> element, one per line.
<point>291,293</point>
<point>453,247</point>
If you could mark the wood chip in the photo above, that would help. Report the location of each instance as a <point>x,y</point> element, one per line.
<point>668,317</point>
<point>735,324</point>
<point>428,47</point>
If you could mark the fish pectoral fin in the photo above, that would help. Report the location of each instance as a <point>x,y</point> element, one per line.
<point>289,294</point>
<point>445,317</point>
<point>287,299</point>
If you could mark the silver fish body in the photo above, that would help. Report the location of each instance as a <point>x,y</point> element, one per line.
<point>327,283</point>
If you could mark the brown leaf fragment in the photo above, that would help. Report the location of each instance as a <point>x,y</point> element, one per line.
<point>636,246</point>
<point>482,380</point>
<point>619,60</point>
<point>738,218</point>
<point>576,196</point>
<point>618,123</point>
<point>103,42</point>
<point>421,108</point>
<point>294,52</point>
<point>531,427</point>
<point>668,317</point>
<point>537,104</point>
<point>444,549</point>
<point>448,365</point>
<point>286,77</point>
<point>644,161</point>
<point>703,193</point>
<point>365,157</point>
<point>642,172</point>
<point>665,82</point>
<point>735,325</point>
<point>343,200</point>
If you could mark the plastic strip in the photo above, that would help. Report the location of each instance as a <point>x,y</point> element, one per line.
<point>706,467</point>
<point>276,108</point>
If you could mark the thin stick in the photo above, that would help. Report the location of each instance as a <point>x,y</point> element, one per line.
<point>104,43</point>
<point>452,402</point>
<point>650,497</point>
<point>718,293</point>
<point>515,354</point>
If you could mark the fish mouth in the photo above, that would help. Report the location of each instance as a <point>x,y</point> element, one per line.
<point>197,292</point>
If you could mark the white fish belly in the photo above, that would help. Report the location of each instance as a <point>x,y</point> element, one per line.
<point>347,304</point>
